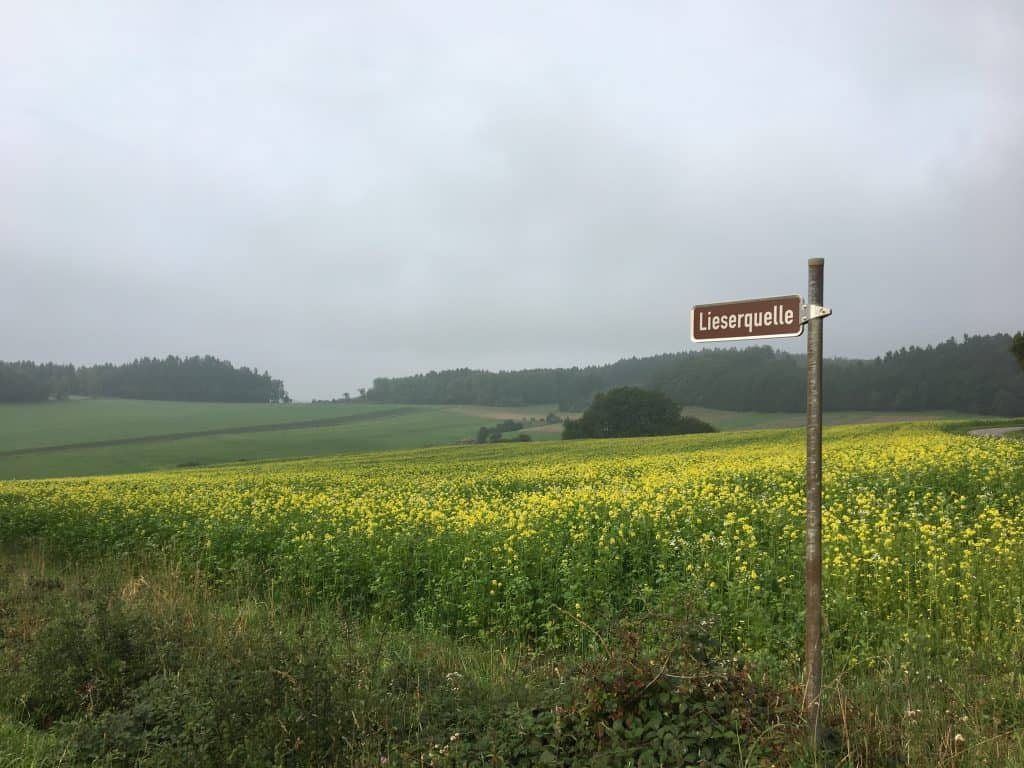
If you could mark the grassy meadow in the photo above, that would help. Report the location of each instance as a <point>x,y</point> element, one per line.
<point>732,421</point>
<point>594,603</point>
<point>26,426</point>
<point>92,437</point>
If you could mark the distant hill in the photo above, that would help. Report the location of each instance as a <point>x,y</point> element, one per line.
<point>975,375</point>
<point>194,379</point>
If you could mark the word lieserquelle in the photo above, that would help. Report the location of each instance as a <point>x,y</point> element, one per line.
<point>774,318</point>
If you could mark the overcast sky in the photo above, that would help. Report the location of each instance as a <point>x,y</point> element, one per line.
<point>344,190</point>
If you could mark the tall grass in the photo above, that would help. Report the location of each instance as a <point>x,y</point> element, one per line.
<point>142,662</point>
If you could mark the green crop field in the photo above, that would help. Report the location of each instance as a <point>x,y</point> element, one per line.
<point>575,553</point>
<point>87,420</point>
<point>729,421</point>
<point>92,437</point>
<point>83,437</point>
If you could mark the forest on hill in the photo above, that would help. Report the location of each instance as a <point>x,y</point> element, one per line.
<point>977,374</point>
<point>194,379</point>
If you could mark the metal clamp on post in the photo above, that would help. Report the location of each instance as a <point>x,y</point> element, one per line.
<point>812,312</point>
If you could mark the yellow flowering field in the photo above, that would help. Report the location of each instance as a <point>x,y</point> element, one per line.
<point>923,532</point>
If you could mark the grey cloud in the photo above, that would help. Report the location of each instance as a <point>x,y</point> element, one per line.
<point>335,192</point>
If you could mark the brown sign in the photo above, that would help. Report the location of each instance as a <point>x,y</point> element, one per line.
<point>773,318</point>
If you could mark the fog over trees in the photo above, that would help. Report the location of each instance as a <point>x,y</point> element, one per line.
<point>173,378</point>
<point>977,374</point>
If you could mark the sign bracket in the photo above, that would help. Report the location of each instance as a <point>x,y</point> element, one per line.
<point>813,312</point>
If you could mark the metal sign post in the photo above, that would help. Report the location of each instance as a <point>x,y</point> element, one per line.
<point>774,318</point>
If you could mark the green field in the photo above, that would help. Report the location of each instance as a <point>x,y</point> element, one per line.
<point>85,437</point>
<point>66,422</point>
<point>729,421</point>
<point>95,437</point>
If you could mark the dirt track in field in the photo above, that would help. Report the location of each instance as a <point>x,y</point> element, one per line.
<point>993,431</point>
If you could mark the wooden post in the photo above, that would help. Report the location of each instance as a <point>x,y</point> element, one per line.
<point>812,572</point>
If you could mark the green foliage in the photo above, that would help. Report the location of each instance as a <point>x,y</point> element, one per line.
<point>204,379</point>
<point>22,746</point>
<point>220,680</point>
<point>84,661</point>
<point>679,704</point>
<point>161,672</point>
<point>19,385</point>
<point>974,375</point>
<point>632,412</point>
<point>496,433</point>
<point>1017,348</point>
<point>258,698</point>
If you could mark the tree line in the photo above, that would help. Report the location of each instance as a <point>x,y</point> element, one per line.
<point>172,378</point>
<point>977,374</point>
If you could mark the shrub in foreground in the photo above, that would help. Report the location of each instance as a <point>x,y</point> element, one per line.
<point>173,674</point>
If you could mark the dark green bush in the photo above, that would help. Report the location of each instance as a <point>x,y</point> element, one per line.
<point>628,706</point>
<point>262,699</point>
<point>84,661</point>
<point>632,412</point>
<point>175,675</point>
